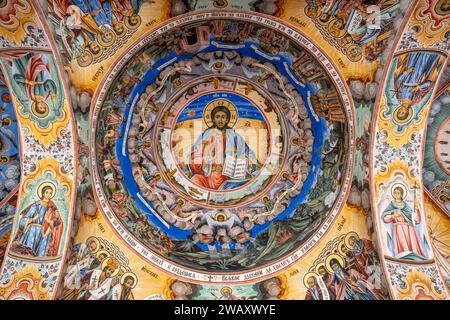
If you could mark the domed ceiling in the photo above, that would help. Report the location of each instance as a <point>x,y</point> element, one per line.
<point>224,150</point>
<point>231,152</point>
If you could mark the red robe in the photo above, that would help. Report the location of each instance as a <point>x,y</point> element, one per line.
<point>405,238</point>
<point>52,214</point>
<point>215,178</point>
<point>361,258</point>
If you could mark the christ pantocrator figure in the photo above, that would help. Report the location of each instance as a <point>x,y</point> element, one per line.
<point>220,158</point>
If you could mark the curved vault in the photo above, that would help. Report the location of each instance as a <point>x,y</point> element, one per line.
<point>291,153</point>
<point>282,207</point>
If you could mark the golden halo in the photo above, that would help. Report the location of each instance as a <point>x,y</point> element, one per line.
<point>119,29</point>
<point>265,199</point>
<point>39,108</point>
<point>105,263</point>
<point>133,21</point>
<point>122,270</point>
<point>225,289</point>
<point>180,202</point>
<point>107,38</point>
<point>218,4</point>
<point>331,257</point>
<point>218,66</point>
<point>95,49</point>
<point>336,32</point>
<point>402,186</point>
<point>354,53</point>
<point>221,214</point>
<point>340,249</point>
<point>6,121</point>
<point>323,18</point>
<point>307,276</point>
<point>408,116</point>
<point>43,185</point>
<point>220,102</point>
<point>322,264</point>
<point>311,12</point>
<point>102,251</point>
<point>345,41</point>
<point>129,274</point>
<point>347,238</point>
<point>85,58</point>
<point>97,242</point>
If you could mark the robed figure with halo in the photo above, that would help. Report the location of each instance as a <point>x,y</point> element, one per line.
<point>219,150</point>
<point>40,225</point>
<point>404,237</point>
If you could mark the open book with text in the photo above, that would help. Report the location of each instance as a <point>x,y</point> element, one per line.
<point>235,168</point>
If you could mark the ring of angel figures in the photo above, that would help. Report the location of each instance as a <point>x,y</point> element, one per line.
<point>218,144</point>
<point>222,146</point>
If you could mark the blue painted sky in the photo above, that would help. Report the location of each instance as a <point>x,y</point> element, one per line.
<point>245,108</point>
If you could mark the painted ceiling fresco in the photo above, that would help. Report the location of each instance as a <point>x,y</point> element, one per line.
<point>224,150</point>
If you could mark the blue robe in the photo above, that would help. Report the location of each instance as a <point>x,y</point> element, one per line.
<point>32,237</point>
<point>418,70</point>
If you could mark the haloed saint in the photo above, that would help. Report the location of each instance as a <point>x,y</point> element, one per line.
<point>220,158</point>
<point>404,234</point>
<point>40,225</point>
